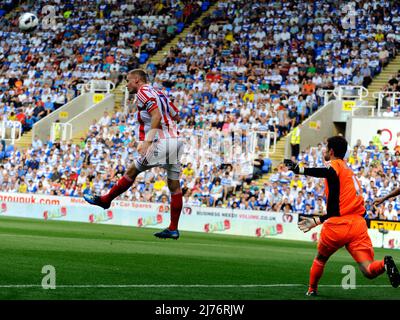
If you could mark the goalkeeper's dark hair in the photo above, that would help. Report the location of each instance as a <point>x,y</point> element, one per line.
<point>339,146</point>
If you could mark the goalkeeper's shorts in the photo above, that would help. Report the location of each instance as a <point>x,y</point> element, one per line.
<point>165,153</point>
<point>350,231</point>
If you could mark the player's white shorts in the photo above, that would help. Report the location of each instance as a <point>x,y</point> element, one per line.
<point>165,153</point>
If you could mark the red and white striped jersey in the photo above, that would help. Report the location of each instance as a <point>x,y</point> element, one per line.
<point>148,99</point>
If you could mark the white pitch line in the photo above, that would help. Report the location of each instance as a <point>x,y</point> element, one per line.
<point>187,285</point>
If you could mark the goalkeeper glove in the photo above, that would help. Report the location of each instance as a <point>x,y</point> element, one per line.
<point>306,223</point>
<point>292,166</point>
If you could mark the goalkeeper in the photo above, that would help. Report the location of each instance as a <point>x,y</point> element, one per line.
<point>343,225</point>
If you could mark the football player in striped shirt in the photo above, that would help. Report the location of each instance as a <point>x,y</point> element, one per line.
<point>159,146</point>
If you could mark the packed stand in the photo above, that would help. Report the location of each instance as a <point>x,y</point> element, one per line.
<point>101,159</point>
<point>96,164</point>
<point>41,70</point>
<point>242,71</point>
<point>261,63</point>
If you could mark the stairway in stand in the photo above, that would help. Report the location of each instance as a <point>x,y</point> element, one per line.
<point>159,56</point>
<point>25,141</point>
<point>382,79</point>
<point>276,158</point>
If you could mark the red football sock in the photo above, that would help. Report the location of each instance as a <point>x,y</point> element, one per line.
<point>176,208</point>
<point>120,187</point>
<point>376,268</point>
<point>317,269</point>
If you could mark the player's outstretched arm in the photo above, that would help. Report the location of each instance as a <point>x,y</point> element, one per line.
<point>328,173</point>
<point>393,194</point>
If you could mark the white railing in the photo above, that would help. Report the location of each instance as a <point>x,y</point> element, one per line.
<point>10,130</point>
<point>326,94</point>
<point>229,147</point>
<point>382,94</point>
<point>267,137</point>
<point>98,86</point>
<point>81,88</point>
<point>60,132</point>
<point>350,92</point>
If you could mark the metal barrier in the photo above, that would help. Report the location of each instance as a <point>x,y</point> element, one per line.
<point>326,94</point>
<point>230,144</point>
<point>10,130</point>
<point>264,142</point>
<point>60,132</point>
<point>350,92</point>
<point>382,94</point>
<point>238,148</point>
<point>98,86</point>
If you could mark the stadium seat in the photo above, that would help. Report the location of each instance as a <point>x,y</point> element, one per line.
<point>180,27</point>
<point>205,5</point>
<point>9,148</point>
<point>178,14</point>
<point>267,165</point>
<point>152,67</point>
<point>143,57</point>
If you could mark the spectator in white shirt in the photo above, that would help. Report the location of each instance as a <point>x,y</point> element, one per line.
<point>390,213</point>
<point>105,120</point>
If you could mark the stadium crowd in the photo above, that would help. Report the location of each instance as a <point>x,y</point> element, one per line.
<point>266,60</point>
<point>41,70</point>
<point>96,164</point>
<point>251,67</point>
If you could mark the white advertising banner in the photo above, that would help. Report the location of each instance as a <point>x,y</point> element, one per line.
<point>390,240</point>
<point>365,128</point>
<point>262,224</point>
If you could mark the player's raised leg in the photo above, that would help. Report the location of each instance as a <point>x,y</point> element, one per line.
<point>361,249</point>
<point>119,188</point>
<point>371,268</point>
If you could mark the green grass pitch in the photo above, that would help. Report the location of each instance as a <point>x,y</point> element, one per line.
<point>95,261</point>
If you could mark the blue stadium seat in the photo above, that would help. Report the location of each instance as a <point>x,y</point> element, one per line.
<point>143,58</point>
<point>218,12</point>
<point>9,148</point>
<point>267,165</point>
<point>205,5</point>
<point>178,14</point>
<point>2,12</point>
<point>137,21</point>
<point>152,67</point>
<point>180,26</point>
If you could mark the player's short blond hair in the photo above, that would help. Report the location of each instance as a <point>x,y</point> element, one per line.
<point>140,73</point>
